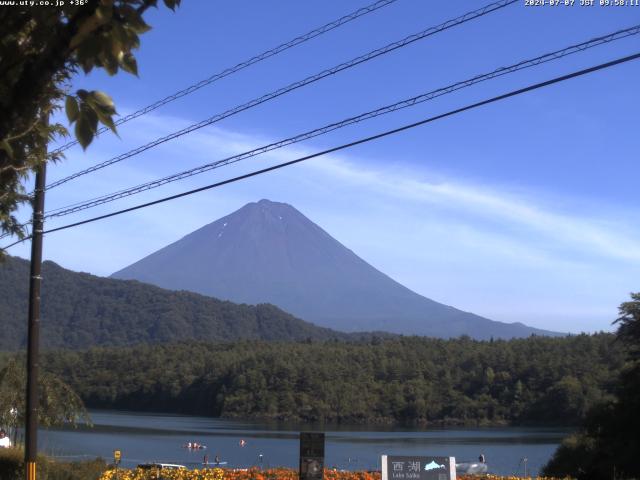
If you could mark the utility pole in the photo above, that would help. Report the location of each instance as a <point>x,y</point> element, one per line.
<point>33,342</point>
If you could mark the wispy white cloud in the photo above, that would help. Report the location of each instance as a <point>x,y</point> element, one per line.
<point>516,255</point>
<point>516,225</point>
<point>597,236</point>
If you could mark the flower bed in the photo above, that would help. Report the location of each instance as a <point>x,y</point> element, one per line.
<point>272,474</point>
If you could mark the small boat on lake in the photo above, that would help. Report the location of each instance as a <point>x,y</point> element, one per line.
<point>216,461</point>
<point>161,466</point>
<point>194,446</point>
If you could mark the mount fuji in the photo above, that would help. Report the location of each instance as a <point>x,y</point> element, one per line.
<point>269,252</point>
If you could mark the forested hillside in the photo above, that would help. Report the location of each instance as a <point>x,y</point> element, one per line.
<point>410,379</point>
<point>80,310</point>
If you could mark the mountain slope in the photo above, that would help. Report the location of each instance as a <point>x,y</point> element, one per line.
<point>270,252</point>
<point>81,310</point>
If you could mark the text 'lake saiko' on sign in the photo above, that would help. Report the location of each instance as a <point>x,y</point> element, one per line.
<point>418,468</point>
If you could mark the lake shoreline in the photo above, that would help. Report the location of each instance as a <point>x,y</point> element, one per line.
<point>149,437</point>
<point>360,422</point>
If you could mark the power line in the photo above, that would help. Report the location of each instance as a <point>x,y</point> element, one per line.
<point>16,243</point>
<point>548,57</point>
<point>247,63</point>
<point>450,113</point>
<point>293,86</point>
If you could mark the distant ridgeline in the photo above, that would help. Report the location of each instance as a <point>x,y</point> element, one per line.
<point>408,380</point>
<point>79,309</point>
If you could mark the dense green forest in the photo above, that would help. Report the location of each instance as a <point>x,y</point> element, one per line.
<point>607,445</point>
<point>79,309</point>
<point>538,380</point>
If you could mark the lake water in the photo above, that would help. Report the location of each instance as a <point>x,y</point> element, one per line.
<point>155,437</point>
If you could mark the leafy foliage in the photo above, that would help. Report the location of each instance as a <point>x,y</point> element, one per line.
<point>408,380</point>
<point>40,50</point>
<point>629,327</point>
<point>58,403</point>
<point>12,467</point>
<point>608,445</point>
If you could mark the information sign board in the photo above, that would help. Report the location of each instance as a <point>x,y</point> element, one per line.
<point>396,467</point>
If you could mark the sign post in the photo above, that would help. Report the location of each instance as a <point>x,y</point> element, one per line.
<point>311,455</point>
<point>418,468</point>
<point>117,455</point>
<point>33,326</point>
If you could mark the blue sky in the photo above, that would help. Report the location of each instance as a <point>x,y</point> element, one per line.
<point>525,210</point>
